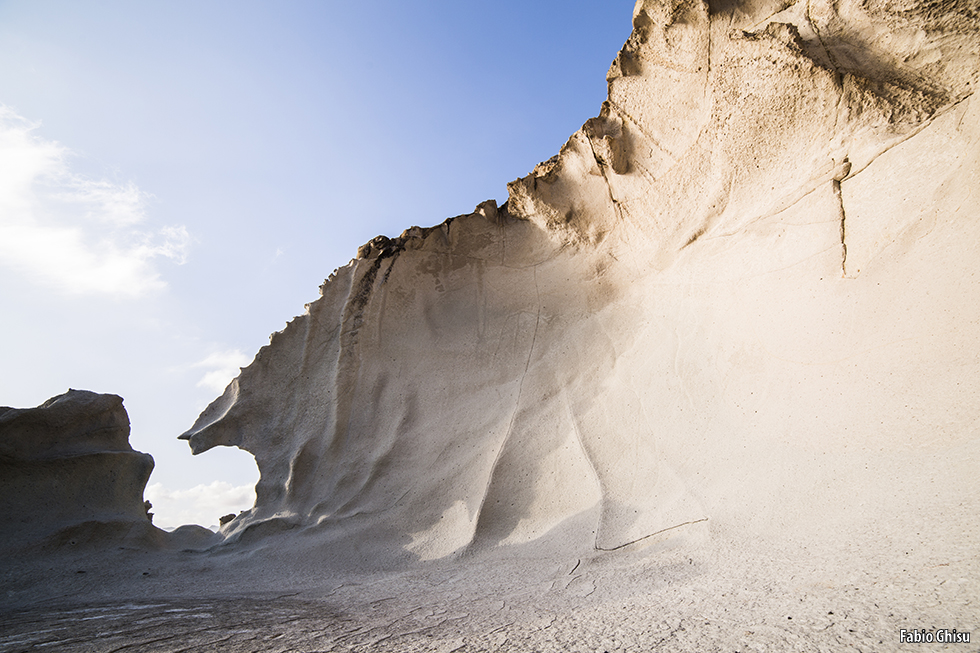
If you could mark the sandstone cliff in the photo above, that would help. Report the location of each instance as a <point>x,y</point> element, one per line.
<point>743,298</point>
<point>71,482</point>
<point>69,476</point>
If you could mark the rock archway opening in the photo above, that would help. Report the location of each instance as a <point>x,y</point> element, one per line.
<point>225,487</point>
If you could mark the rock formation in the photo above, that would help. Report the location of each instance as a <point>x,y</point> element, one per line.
<point>69,476</point>
<point>743,290</point>
<point>69,480</point>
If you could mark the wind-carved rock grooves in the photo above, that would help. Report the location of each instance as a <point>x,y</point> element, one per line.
<point>517,407</point>
<point>726,131</point>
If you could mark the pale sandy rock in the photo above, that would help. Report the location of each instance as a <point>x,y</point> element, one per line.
<point>70,481</point>
<point>707,381</point>
<point>69,476</point>
<point>741,296</point>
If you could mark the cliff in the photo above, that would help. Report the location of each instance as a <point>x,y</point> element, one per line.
<point>740,299</point>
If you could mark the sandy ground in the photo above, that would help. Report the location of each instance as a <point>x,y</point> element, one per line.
<point>701,591</point>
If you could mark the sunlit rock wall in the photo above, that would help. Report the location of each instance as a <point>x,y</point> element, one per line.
<point>737,294</point>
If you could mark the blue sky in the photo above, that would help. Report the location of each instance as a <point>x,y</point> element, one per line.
<point>178,178</point>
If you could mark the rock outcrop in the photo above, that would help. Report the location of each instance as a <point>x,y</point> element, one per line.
<point>69,477</point>
<point>743,289</point>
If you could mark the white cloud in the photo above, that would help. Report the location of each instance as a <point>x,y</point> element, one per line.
<point>223,367</point>
<point>202,504</point>
<point>69,232</point>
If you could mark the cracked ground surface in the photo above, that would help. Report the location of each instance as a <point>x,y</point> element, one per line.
<point>672,599</point>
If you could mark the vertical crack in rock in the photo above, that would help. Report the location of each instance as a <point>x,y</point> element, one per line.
<point>842,172</point>
<point>605,177</point>
<point>830,57</point>
<point>707,64</point>
<point>843,229</point>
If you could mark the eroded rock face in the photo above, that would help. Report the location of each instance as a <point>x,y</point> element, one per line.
<point>745,286</point>
<point>68,476</point>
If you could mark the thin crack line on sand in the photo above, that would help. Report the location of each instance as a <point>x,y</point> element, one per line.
<point>663,530</point>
